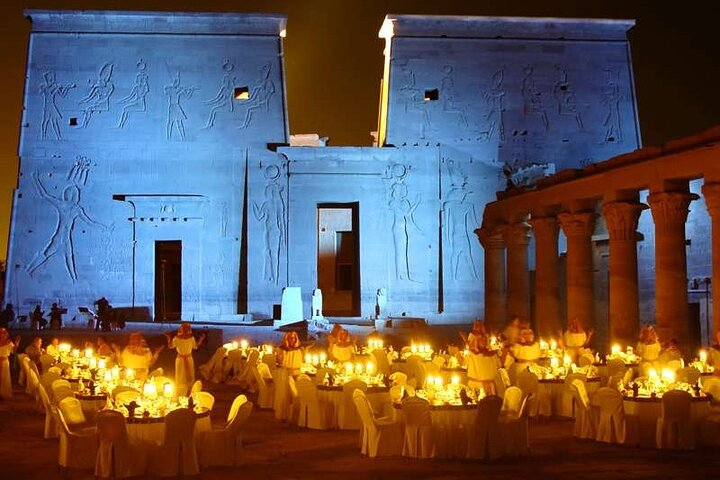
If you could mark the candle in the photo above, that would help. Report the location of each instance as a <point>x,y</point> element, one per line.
<point>168,390</point>
<point>455,380</point>
<point>88,352</point>
<point>116,372</point>
<point>703,356</point>
<point>413,348</point>
<point>554,362</point>
<point>429,380</point>
<point>243,344</point>
<point>566,360</point>
<point>149,390</point>
<point>438,381</point>
<point>358,368</point>
<point>315,359</point>
<point>348,368</point>
<point>308,358</point>
<point>101,364</point>
<point>543,345</point>
<point>108,376</point>
<point>553,345</point>
<point>93,362</point>
<point>369,368</point>
<point>615,349</point>
<point>323,357</point>
<point>76,353</point>
<point>129,374</point>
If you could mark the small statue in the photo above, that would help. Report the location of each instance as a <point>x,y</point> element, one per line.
<point>635,389</point>
<point>191,403</point>
<point>131,410</point>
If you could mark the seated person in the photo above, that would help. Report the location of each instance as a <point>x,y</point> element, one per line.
<point>138,356</point>
<point>670,356</point>
<point>54,348</point>
<point>526,349</point>
<point>333,335</point>
<point>648,348</point>
<point>344,348</point>
<point>511,334</point>
<point>478,330</point>
<point>106,351</point>
<point>35,351</point>
<point>482,364</point>
<point>575,340</point>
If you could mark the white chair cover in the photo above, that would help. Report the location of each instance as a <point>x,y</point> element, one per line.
<point>176,455</point>
<point>512,401</point>
<point>612,422</point>
<point>399,378</point>
<point>61,389</point>
<point>381,360</point>
<point>615,366</point>
<point>234,364</point>
<point>224,446</point>
<point>567,407</point>
<point>347,415</point>
<point>380,436</point>
<point>313,413</point>
<point>321,373</point>
<point>196,387</point>
<point>46,361</point>
<point>51,426</point>
<point>47,379</point>
<point>585,415</point>
<point>439,360</point>
<point>540,401</point>
<point>689,375</point>
<point>117,456</point>
<point>586,359</point>
<point>675,428</point>
<point>204,399</point>
<point>418,441</point>
<point>265,385</point>
<point>245,376</point>
<point>415,370</point>
<point>514,429</point>
<point>212,370</point>
<point>23,368</point>
<point>71,409</point>
<point>282,400</point>
<point>485,439</point>
<point>76,449</point>
<point>33,382</point>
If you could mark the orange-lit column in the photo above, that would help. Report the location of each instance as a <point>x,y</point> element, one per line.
<point>622,221</point>
<point>517,239</point>
<point>578,228</point>
<point>669,211</point>
<point>711,192</point>
<point>492,241</point>
<point>547,300</point>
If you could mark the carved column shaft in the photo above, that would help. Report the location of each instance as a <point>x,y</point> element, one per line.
<point>622,221</point>
<point>517,239</point>
<point>711,192</point>
<point>547,298</point>
<point>492,242</point>
<point>578,228</point>
<point>669,211</point>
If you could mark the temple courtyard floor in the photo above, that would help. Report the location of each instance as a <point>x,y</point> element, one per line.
<point>275,450</point>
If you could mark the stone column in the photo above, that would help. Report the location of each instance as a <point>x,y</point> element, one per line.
<point>547,299</point>
<point>669,211</point>
<point>711,192</point>
<point>578,228</point>
<point>622,221</point>
<point>492,241</point>
<point>517,239</point>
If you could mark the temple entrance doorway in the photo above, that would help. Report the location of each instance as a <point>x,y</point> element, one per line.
<point>168,280</point>
<point>338,258</point>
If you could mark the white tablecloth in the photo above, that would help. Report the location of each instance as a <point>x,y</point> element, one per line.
<point>649,410</point>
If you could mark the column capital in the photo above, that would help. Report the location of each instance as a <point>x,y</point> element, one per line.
<point>490,237</point>
<point>670,208</point>
<point>544,226</point>
<point>711,192</point>
<point>622,219</point>
<point>577,224</point>
<point>516,234</point>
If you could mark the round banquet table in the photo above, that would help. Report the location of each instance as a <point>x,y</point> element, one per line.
<point>152,429</point>
<point>554,399</point>
<point>91,402</point>
<point>648,410</point>
<point>378,395</point>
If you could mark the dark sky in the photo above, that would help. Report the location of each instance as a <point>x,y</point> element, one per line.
<point>333,60</point>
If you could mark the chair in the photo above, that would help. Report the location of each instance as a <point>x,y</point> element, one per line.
<point>439,361</point>
<point>567,407</point>
<point>212,370</point>
<point>615,366</point>
<point>381,360</point>
<point>33,384</point>
<point>689,375</point>
<point>502,382</point>
<point>585,416</point>
<point>529,384</point>
<point>612,422</point>
<point>418,438</point>
<point>380,436</point>
<point>514,429</point>
<point>245,377</point>
<point>628,376</point>
<point>46,361</point>
<point>416,370</point>
<point>397,392</point>
<point>347,415</point>
<point>61,389</point>
<point>586,359</point>
<point>176,455</point>
<point>283,396</point>
<point>675,428</point>
<point>485,441</point>
<point>76,449</point>
<point>73,414</point>
<point>117,456</point>
<point>512,401</point>
<point>321,373</point>
<point>266,388</point>
<point>233,365</point>
<point>269,360</point>
<point>223,446</point>
<point>51,426</point>
<point>204,399</point>
<point>398,378</point>
<point>23,368</point>
<point>313,413</point>
<point>47,378</point>
<point>196,386</point>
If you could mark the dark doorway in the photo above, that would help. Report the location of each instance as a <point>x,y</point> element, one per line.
<point>338,260</point>
<point>168,280</point>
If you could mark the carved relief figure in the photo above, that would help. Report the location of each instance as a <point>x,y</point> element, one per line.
<point>460,221</point>
<point>223,100</point>
<point>495,102</point>
<point>532,98</point>
<point>176,115</point>
<point>271,212</point>
<point>98,98</point>
<point>259,95</point>
<point>611,100</point>
<point>69,211</point>
<point>403,221</point>
<point>447,91</point>
<point>565,97</point>
<point>412,96</point>
<point>50,91</point>
<point>80,170</point>
<point>136,100</point>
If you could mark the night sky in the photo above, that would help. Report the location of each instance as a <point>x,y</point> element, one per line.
<point>333,60</point>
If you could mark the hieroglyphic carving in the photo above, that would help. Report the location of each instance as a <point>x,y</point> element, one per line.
<point>403,221</point>
<point>224,218</point>
<point>565,96</point>
<point>611,100</point>
<point>51,90</point>
<point>271,212</point>
<point>97,99</point>
<point>69,211</point>
<point>80,170</point>
<point>223,100</point>
<point>532,98</point>
<point>413,101</point>
<point>136,99</point>
<point>176,115</point>
<point>260,95</point>
<point>460,221</point>
<point>447,92</point>
<point>495,102</point>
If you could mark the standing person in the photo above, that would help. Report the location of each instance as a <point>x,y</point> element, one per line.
<point>344,348</point>
<point>138,356</point>
<point>7,347</point>
<point>55,317</point>
<point>35,351</point>
<point>7,316</point>
<point>291,359</point>
<point>575,340</point>
<point>184,342</point>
